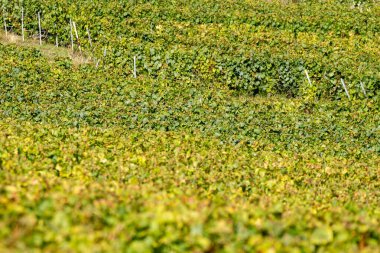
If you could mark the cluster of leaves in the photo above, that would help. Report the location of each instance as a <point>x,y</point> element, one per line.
<point>254,46</point>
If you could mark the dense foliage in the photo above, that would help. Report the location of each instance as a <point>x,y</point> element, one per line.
<point>91,160</point>
<point>183,158</point>
<point>255,46</point>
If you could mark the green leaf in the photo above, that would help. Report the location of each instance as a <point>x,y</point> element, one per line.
<point>321,236</point>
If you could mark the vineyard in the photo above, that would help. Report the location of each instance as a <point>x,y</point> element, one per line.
<point>190,126</point>
<point>252,46</point>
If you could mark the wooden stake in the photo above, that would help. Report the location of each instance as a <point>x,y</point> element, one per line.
<point>71,35</point>
<point>5,23</point>
<point>363,89</point>
<point>89,37</point>
<point>76,35</point>
<point>134,67</point>
<point>308,78</point>
<point>39,27</point>
<point>345,88</point>
<point>22,24</point>
<point>56,35</point>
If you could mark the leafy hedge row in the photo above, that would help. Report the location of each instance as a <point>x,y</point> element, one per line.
<point>252,46</point>
<point>329,17</point>
<point>252,71</point>
<point>38,90</point>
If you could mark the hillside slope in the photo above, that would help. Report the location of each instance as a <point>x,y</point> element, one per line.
<point>183,158</point>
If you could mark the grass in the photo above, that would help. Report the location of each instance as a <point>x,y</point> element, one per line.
<point>49,51</point>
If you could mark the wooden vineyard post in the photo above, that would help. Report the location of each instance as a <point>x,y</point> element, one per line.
<point>39,27</point>
<point>308,78</point>
<point>345,88</point>
<point>22,24</point>
<point>71,35</point>
<point>5,23</point>
<point>56,35</point>
<point>76,35</point>
<point>89,37</point>
<point>363,89</point>
<point>134,67</point>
